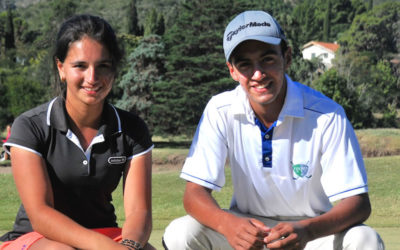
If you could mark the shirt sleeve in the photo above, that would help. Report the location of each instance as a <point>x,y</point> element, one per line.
<point>344,172</point>
<point>205,162</point>
<point>138,132</point>
<point>26,133</point>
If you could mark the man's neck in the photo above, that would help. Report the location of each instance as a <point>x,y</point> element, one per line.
<point>269,113</point>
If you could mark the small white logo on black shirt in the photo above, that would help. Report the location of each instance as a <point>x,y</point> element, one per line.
<point>117,160</point>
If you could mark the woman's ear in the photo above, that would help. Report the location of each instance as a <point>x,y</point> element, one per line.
<point>60,70</point>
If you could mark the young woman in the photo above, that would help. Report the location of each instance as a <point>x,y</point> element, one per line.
<point>69,154</point>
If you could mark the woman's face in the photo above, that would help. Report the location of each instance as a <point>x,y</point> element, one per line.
<point>88,72</point>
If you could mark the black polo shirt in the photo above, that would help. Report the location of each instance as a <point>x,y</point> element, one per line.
<point>82,182</point>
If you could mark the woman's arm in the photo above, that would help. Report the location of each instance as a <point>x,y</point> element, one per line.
<point>137,199</point>
<point>34,187</point>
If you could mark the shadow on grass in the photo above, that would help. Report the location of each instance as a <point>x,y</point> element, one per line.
<point>172,144</point>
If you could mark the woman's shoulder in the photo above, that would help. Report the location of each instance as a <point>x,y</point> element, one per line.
<point>37,115</point>
<point>40,110</point>
<point>131,122</point>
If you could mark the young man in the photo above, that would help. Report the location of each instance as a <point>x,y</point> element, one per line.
<point>292,152</point>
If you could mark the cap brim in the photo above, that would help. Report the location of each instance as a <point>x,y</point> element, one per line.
<point>265,39</point>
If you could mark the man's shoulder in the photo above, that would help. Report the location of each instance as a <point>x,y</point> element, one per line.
<point>226,98</point>
<point>316,101</point>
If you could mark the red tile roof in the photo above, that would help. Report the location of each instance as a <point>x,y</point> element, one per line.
<point>330,46</point>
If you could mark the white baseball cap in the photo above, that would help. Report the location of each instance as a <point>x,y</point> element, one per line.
<point>251,25</point>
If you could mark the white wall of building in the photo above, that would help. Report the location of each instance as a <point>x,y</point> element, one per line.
<point>320,52</point>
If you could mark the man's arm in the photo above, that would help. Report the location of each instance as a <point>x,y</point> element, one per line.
<point>346,213</point>
<point>241,233</point>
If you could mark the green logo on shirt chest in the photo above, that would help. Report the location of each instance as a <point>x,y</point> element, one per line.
<point>300,171</point>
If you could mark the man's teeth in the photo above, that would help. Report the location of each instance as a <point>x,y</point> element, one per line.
<point>262,86</point>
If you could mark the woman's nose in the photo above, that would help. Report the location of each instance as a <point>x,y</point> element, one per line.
<point>91,75</point>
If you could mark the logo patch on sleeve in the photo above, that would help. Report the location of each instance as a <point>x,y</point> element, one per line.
<point>114,160</point>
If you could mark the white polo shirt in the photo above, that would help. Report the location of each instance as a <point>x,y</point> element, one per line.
<point>314,154</point>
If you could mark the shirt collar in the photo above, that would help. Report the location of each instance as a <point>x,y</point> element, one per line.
<point>57,117</point>
<point>293,105</point>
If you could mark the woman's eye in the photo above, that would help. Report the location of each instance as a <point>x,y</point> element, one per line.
<point>79,66</point>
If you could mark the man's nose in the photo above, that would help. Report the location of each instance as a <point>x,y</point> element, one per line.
<point>258,72</point>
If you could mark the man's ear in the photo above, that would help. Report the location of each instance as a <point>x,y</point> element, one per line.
<point>232,71</point>
<point>288,58</point>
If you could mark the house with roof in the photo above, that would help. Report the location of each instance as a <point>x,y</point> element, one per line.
<point>325,51</point>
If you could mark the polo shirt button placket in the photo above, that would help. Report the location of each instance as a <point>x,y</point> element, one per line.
<point>85,164</point>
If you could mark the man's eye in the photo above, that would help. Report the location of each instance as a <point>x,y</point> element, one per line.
<point>243,65</point>
<point>105,65</point>
<point>268,59</point>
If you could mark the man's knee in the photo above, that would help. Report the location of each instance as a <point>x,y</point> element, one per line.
<point>180,232</point>
<point>362,237</point>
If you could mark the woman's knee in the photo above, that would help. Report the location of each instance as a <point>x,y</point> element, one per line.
<point>44,244</point>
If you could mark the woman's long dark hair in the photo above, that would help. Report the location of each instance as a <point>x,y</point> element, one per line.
<point>74,29</point>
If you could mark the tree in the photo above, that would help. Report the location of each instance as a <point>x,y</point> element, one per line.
<point>311,15</point>
<point>370,4</point>
<point>5,115</point>
<point>306,25</point>
<point>305,71</point>
<point>363,59</point>
<point>195,65</point>
<point>146,69</point>
<point>374,31</point>
<point>335,87</point>
<point>9,43</point>
<point>154,23</point>
<point>160,25</point>
<point>385,93</point>
<point>133,23</point>
<point>327,22</point>
<point>9,31</point>
<point>22,93</point>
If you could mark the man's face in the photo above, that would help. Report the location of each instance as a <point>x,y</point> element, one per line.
<point>260,69</point>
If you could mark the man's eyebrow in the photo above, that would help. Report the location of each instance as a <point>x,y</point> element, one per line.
<point>270,52</point>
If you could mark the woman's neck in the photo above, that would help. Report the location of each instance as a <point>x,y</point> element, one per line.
<point>84,121</point>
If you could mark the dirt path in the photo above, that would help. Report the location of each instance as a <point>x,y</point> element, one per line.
<point>5,170</point>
